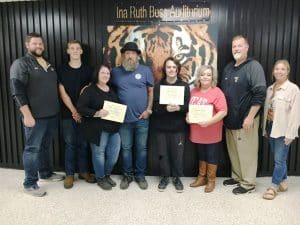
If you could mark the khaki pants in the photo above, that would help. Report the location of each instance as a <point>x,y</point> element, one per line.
<point>243,153</point>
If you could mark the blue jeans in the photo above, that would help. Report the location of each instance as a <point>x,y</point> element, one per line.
<point>105,155</point>
<point>137,131</point>
<point>209,152</point>
<point>280,151</point>
<point>36,155</point>
<point>75,148</point>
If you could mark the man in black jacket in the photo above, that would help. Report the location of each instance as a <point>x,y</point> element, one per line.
<point>34,89</point>
<point>243,83</point>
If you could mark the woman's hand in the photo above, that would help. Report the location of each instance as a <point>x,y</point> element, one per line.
<point>187,118</point>
<point>204,123</point>
<point>101,113</point>
<point>288,141</point>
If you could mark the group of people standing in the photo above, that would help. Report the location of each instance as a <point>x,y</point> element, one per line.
<point>238,103</point>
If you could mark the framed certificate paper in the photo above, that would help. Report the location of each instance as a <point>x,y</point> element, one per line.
<point>171,95</point>
<point>198,113</point>
<point>116,111</point>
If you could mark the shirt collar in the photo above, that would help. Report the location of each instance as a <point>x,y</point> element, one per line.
<point>284,86</point>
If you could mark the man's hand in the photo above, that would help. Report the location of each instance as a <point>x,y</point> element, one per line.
<point>145,115</point>
<point>76,116</point>
<point>28,121</point>
<point>248,123</point>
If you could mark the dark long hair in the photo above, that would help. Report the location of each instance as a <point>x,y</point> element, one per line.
<point>164,74</point>
<point>96,72</point>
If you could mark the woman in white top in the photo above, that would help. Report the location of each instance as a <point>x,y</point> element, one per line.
<point>281,123</point>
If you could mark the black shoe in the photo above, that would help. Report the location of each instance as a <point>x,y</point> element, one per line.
<point>163,183</point>
<point>178,184</point>
<point>110,181</point>
<point>231,182</point>
<point>126,180</point>
<point>241,190</point>
<point>102,182</point>
<point>143,184</point>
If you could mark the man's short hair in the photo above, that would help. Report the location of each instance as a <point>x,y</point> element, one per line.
<point>33,35</point>
<point>74,42</point>
<point>240,37</point>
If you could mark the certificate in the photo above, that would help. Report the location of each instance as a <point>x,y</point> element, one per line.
<point>198,113</point>
<point>171,95</point>
<point>116,111</point>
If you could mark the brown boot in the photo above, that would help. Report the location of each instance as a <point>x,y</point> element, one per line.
<point>87,177</point>
<point>201,179</point>
<point>68,182</point>
<point>211,177</point>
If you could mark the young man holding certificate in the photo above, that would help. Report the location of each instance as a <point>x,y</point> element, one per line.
<point>170,105</point>
<point>207,109</point>
<point>96,104</point>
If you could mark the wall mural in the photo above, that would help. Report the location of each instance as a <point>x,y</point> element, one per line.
<point>193,45</point>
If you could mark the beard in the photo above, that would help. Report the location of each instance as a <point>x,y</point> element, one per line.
<point>130,64</point>
<point>237,56</point>
<point>36,54</point>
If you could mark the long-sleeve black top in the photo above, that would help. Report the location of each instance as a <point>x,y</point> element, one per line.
<point>243,87</point>
<point>89,102</point>
<point>32,85</point>
<point>170,121</point>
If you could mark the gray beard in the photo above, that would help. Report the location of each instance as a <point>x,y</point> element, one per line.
<point>128,66</point>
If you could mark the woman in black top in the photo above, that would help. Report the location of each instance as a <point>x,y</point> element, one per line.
<point>170,127</point>
<point>102,134</point>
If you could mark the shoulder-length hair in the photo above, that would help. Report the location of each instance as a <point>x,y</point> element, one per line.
<point>201,70</point>
<point>285,63</point>
<point>164,74</point>
<point>96,73</point>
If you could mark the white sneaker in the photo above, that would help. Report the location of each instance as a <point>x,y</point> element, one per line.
<point>53,178</point>
<point>35,191</point>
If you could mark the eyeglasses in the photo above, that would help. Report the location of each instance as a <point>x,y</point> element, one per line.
<point>105,72</point>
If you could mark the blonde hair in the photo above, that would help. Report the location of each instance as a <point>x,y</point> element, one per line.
<point>201,71</point>
<point>285,63</point>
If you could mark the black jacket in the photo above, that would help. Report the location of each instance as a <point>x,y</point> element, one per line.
<point>32,85</point>
<point>170,121</point>
<point>243,87</point>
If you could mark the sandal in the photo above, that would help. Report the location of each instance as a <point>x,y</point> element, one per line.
<point>270,194</point>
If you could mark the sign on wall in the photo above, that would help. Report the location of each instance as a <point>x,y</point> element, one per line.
<point>183,31</point>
